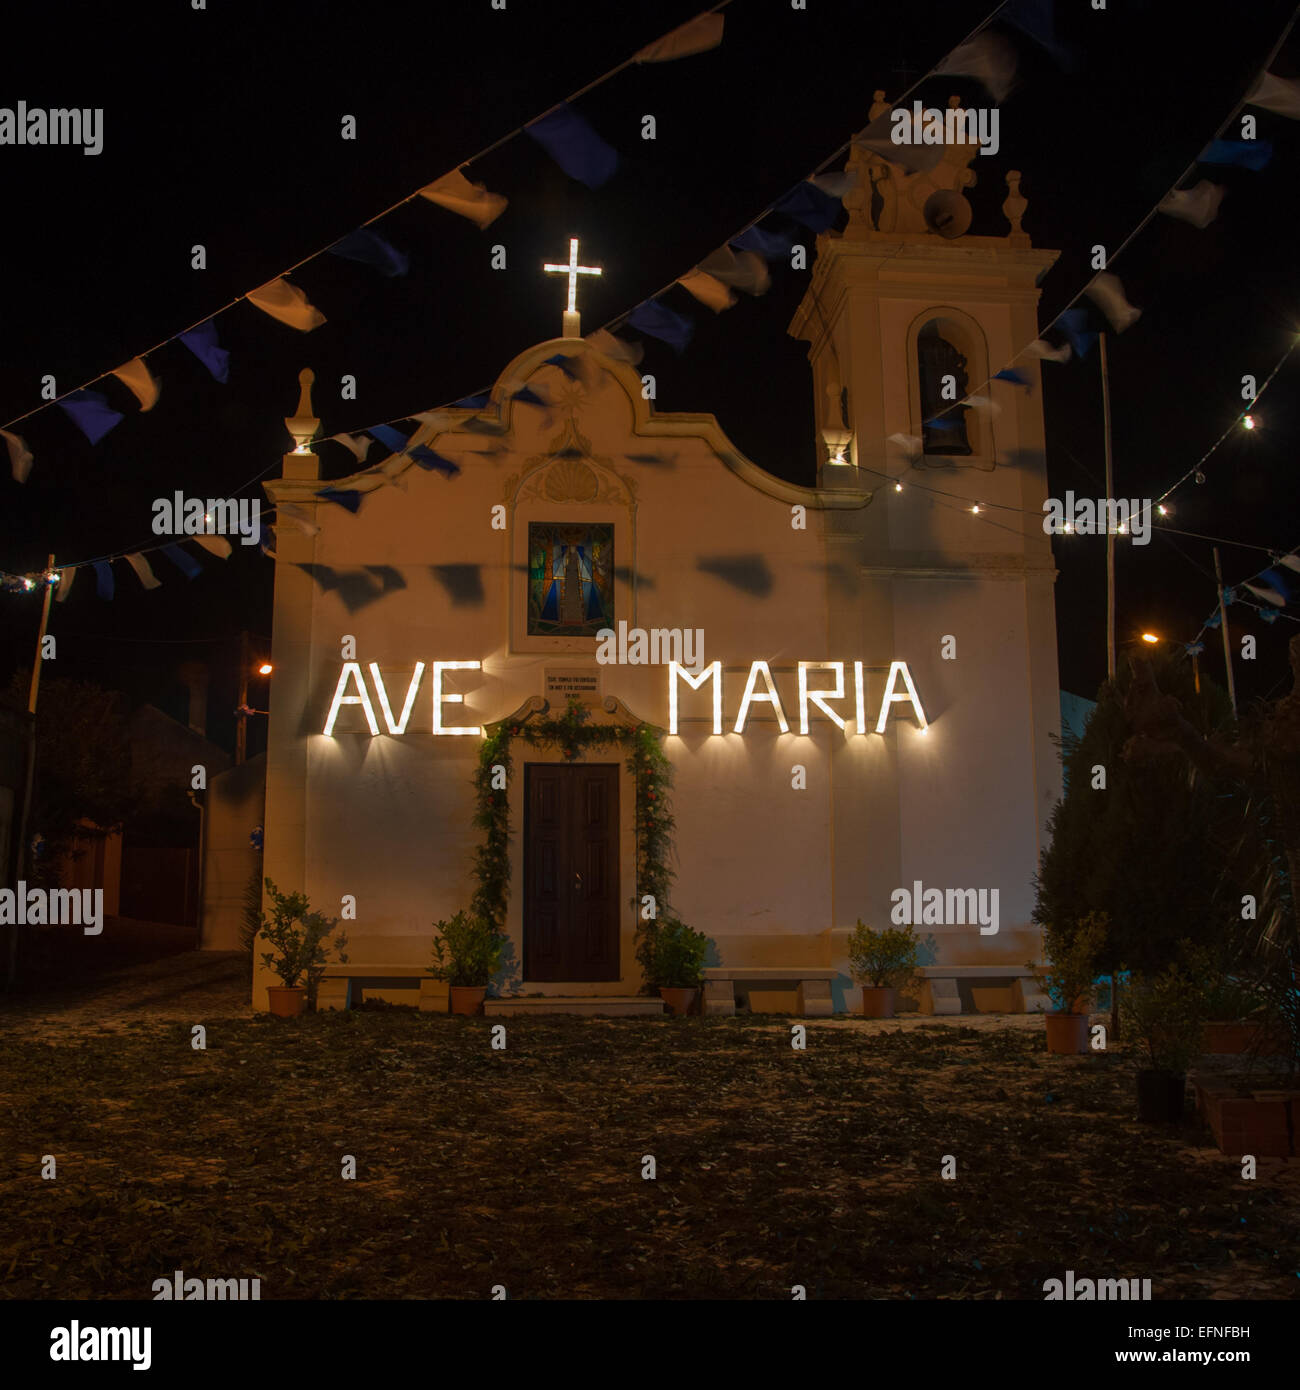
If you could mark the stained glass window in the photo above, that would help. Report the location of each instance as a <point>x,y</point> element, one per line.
<point>570,579</point>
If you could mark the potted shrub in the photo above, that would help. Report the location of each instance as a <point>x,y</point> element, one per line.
<point>1068,981</point>
<point>466,954</point>
<point>1165,1018</point>
<point>674,959</point>
<point>882,962</point>
<point>297,936</point>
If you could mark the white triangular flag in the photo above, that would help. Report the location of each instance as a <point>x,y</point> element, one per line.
<point>297,518</point>
<point>287,303</point>
<point>141,381</point>
<point>835,185</point>
<point>1276,94</point>
<point>986,57</point>
<point>142,571</point>
<point>1292,562</point>
<point>910,444</point>
<point>604,341</point>
<point>1040,347</point>
<point>707,290</point>
<point>1199,205</point>
<point>20,456</point>
<point>1107,294</point>
<point>436,419</point>
<point>743,270</point>
<point>697,36</point>
<point>214,545</point>
<point>359,444</point>
<point>66,578</point>
<point>455,193</point>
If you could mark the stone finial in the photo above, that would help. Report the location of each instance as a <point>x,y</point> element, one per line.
<point>878,105</point>
<point>1016,202</point>
<point>303,425</point>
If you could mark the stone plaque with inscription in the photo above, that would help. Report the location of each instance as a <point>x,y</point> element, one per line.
<point>564,683</point>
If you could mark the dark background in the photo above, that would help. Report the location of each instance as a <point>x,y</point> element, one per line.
<point>222,127</point>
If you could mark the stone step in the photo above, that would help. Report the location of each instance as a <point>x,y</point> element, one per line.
<point>588,1005</point>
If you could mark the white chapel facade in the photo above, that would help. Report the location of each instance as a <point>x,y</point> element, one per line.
<point>876,692</point>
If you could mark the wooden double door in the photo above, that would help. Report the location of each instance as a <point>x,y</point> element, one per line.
<point>571,872</point>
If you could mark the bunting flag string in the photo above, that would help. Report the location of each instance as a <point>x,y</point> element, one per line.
<point>562,131</point>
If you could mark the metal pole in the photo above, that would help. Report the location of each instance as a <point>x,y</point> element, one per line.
<point>29,781</point>
<point>1223,623</point>
<point>1110,530</point>
<point>241,727</point>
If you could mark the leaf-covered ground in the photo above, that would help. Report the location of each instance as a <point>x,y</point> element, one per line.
<point>523,1167</point>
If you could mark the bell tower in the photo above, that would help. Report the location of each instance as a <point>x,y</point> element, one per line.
<point>908,316</point>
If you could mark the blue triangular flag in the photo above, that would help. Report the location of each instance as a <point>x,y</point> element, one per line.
<point>1036,20</point>
<point>562,362</point>
<point>103,579</point>
<point>425,458</point>
<point>809,205</point>
<point>187,564</point>
<point>1195,648</point>
<point>91,413</point>
<point>574,146</point>
<point>473,402</point>
<point>1012,375</point>
<point>659,321</point>
<point>1275,586</point>
<point>1269,615</point>
<point>1213,620</point>
<point>1248,154</point>
<point>371,249</point>
<point>1071,323</point>
<point>202,342</point>
<point>345,497</point>
<point>387,435</point>
<point>772,246</point>
<point>528,397</point>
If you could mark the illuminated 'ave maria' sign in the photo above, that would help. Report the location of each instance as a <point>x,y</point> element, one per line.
<point>818,684</point>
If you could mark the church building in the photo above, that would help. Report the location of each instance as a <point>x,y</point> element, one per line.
<point>855,683</point>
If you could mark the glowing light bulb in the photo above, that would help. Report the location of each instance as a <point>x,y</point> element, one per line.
<point>1069,528</point>
<point>265,669</point>
<point>975,510</point>
<point>1164,511</point>
<point>898,487</point>
<point>1150,637</point>
<point>1248,421</point>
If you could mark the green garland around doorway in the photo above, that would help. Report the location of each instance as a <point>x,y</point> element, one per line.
<point>573,735</point>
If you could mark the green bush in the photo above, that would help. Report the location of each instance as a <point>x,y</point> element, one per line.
<point>466,951</point>
<point>1072,958</point>
<point>298,937</point>
<point>675,955</point>
<point>1165,1016</point>
<point>883,959</point>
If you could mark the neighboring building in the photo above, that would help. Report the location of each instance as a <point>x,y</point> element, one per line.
<point>447,605</point>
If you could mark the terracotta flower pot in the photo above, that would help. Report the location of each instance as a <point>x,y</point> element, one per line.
<point>1161,1096</point>
<point>286,1001</point>
<point>877,1001</point>
<point>467,999</point>
<point>1067,1034</point>
<point>679,1001</point>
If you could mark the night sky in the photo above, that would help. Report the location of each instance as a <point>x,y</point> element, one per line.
<point>222,127</point>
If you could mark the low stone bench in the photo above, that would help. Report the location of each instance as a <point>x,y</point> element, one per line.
<point>811,985</point>
<point>345,985</point>
<point>1006,989</point>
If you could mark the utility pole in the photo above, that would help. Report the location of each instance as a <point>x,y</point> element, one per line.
<point>1223,623</point>
<point>1110,530</point>
<point>241,724</point>
<point>24,834</point>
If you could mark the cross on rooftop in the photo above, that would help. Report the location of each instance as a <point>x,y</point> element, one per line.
<point>572,328</point>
